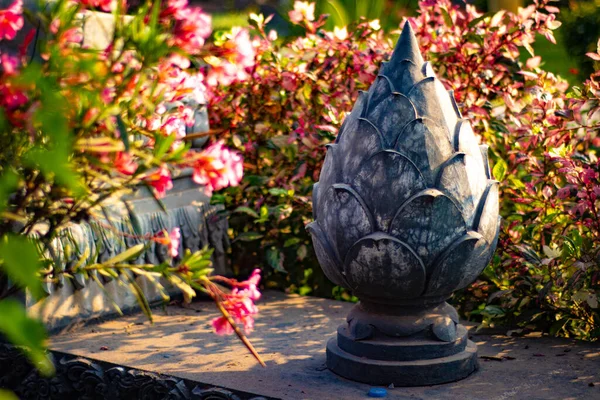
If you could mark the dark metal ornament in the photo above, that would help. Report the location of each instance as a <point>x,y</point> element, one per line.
<point>405,214</point>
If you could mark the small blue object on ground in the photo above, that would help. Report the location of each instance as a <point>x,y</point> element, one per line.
<point>377,392</point>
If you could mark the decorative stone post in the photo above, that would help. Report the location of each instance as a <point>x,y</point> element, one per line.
<point>406,212</point>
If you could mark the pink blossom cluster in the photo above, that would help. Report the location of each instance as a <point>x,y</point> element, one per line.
<point>239,304</point>
<point>170,239</point>
<point>191,26</point>
<point>104,5</point>
<point>161,181</point>
<point>12,98</point>
<point>236,58</point>
<point>217,167</point>
<point>11,20</point>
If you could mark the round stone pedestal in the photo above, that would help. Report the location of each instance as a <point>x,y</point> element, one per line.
<point>417,372</point>
<point>405,346</point>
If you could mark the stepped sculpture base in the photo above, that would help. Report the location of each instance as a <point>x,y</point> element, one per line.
<point>402,345</point>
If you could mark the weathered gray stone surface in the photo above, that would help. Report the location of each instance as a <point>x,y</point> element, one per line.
<point>291,334</point>
<point>405,213</point>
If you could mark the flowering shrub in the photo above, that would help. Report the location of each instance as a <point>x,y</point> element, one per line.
<point>545,273</point>
<point>85,127</point>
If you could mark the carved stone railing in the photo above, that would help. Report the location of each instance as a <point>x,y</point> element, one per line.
<point>77,299</point>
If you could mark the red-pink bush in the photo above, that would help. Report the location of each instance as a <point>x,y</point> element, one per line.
<point>543,146</point>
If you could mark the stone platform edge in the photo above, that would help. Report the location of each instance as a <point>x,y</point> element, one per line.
<point>80,377</point>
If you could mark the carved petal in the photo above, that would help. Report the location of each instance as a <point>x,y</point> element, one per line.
<point>351,121</point>
<point>452,267</point>
<point>465,142</point>
<point>426,144</point>
<point>385,181</point>
<point>486,161</point>
<point>390,115</point>
<point>344,218</point>
<point>403,75</point>
<point>480,258</point>
<point>357,146</point>
<point>382,266</point>
<point>463,182</point>
<point>486,217</point>
<point>315,196</point>
<point>329,172</point>
<point>380,90</point>
<point>428,222</point>
<point>326,256</point>
<point>428,70</point>
<point>444,329</point>
<point>429,98</point>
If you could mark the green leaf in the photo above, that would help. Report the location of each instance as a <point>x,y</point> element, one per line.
<point>500,170</point>
<point>139,295</point>
<point>54,164</point>
<point>246,210</point>
<point>275,259</point>
<point>302,252</point>
<point>107,294</point>
<point>446,15</point>
<point>163,144</point>
<point>123,132</point>
<point>135,221</point>
<point>20,259</point>
<point>249,236</point>
<point>291,241</point>
<point>264,213</point>
<point>128,254</point>
<point>8,184</point>
<point>339,16</point>
<point>478,19</point>
<point>278,192</point>
<point>24,331</point>
<point>7,395</point>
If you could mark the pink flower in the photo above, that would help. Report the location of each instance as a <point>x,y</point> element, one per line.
<point>124,163</point>
<point>222,326</point>
<point>105,5</point>
<point>249,287</point>
<point>240,305</point>
<point>11,20</point>
<point>174,124</point>
<point>176,9</point>
<point>171,240</point>
<point>238,56</point>
<point>12,98</point>
<point>175,237</point>
<point>107,95</point>
<point>217,167</point>
<point>289,81</point>
<point>191,31</point>
<point>243,45</point>
<point>9,64</point>
<point>160,181</point>
<point>303,10</point>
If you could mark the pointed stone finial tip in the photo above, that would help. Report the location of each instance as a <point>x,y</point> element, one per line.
<point>407,47</point>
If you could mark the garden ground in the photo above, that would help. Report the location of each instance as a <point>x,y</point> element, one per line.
<point>291,333</point>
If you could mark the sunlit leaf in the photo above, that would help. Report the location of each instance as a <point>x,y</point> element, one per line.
<point>19,258</point>
<point>129,254</point>
<point>24,331</point>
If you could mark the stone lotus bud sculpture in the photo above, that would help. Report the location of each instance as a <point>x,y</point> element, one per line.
<point>406,212</point>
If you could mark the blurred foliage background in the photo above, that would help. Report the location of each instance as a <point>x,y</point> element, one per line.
<point>577,36</point>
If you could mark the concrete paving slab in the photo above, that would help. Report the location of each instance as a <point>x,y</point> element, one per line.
<point>291,333</point>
